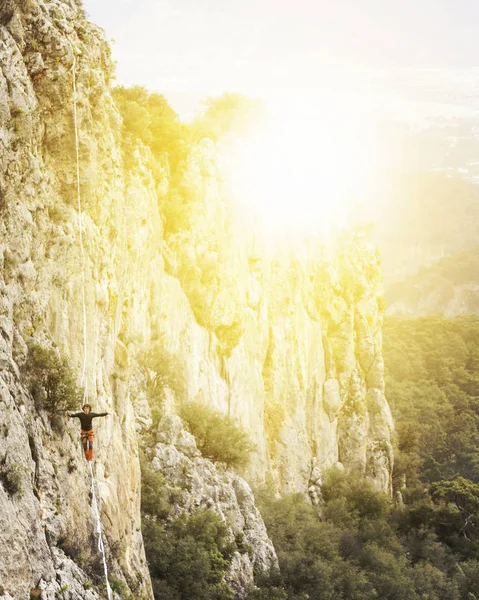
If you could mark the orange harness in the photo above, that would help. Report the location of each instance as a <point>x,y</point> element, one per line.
<point>87,438</point>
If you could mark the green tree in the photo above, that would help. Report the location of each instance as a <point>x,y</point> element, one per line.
<point>189,557</point>
<point>463,494</point>
<point>468,580</point>
<point>310,552</point>
<point>218,437</point>
<point>155,501</point>
<point>432,386</point>
<point>52,382</point>
<point>149,118</point>
<point>163,370</point>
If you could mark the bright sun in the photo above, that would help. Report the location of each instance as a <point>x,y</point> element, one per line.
<point>309,167</point>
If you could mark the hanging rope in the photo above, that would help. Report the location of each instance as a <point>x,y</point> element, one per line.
<point>84,381</point>
<point>101,547</point>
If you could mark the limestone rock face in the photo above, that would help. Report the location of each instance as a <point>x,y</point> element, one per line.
<point>48,528</point>
<point>295,361</point>
<point>286,340</point>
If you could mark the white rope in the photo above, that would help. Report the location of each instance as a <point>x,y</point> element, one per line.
<point>83,381</point>
<point>101,547</point>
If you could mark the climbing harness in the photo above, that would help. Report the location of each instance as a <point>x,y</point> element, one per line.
<point>101,547</point>
<point>84,381</point>
<point>87,439</point>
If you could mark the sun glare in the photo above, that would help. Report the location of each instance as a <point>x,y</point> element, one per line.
<point>309,167</point>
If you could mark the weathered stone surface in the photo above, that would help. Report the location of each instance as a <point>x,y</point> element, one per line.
<point>331,397</point>
<point>171,431</point>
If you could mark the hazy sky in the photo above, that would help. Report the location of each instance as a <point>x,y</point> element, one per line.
<point>332,73</point>
<point>207,46</point>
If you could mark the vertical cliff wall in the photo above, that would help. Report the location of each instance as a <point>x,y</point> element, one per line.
<point>286,340</point>
<point>46,521</point>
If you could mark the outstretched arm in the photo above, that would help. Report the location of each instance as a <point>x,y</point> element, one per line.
<point>72,414</point>
<point>93,415</point>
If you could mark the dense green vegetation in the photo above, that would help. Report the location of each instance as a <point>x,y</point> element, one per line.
<point>432,378</point>
<point>188,556</point>
<point>360,548</point>
<point>148,117</point>
<point>432,381</point>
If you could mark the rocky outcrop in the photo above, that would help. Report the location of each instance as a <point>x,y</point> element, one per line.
<point>201,485</point>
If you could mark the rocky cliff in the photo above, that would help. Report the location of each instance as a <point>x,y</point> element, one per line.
<point>287,341</point>
<point>47,523</point>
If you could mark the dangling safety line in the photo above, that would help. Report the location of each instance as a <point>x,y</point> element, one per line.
<point>101,547</point>
<point>83,381</point>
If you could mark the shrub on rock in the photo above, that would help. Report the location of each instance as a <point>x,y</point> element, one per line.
<point>218,437</point>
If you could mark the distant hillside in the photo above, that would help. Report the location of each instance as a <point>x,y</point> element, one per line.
<point>422,217</point>
<point>450,286</point>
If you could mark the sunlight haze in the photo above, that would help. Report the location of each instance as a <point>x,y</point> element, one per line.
<point>331,75</point>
